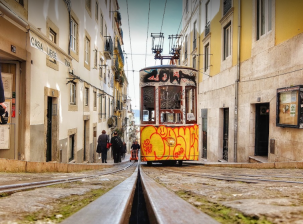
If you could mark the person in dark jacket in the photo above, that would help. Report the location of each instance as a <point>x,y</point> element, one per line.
<point>2,97</point>
<point>135,146</point>
<point>116,147</point>
<point>102,141</point>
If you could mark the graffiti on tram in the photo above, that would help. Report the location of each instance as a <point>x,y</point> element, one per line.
<point>169,76</point>
<point>169,143</point>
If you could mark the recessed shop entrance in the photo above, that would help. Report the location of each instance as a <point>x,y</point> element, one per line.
<point>262,129</point>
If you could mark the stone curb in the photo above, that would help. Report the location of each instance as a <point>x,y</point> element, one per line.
<point>18,166</point>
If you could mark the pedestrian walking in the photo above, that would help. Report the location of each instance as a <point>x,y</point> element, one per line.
<point>101,148</point>
<point>124,150</point>
<point>116,147</point>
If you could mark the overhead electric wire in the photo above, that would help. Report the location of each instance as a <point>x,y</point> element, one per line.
<point>130,43</point>
<point>147,32</point>
<point>163,16</point>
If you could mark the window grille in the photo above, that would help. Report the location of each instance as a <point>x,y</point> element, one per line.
<point>226,6</point>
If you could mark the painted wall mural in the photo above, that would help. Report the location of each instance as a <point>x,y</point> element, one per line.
<point>169,143</point>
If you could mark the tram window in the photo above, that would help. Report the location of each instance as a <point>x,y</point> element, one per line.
<point>190,94</point>
<point>167,117</point>
<point>170,97</point>
<point>148,104</point>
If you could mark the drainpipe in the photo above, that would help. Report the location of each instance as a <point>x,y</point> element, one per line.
<point>5,11</point>
<point>237,84</point>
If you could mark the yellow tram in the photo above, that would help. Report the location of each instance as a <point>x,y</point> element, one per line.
<point>169,131</point>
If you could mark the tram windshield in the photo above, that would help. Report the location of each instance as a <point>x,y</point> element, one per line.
<point>148,110</point>
<point>170,104</point>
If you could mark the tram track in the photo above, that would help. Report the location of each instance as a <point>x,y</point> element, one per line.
<point>240,177</point>
<point>11,188</point>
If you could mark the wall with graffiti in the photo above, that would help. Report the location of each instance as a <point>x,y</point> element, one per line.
<point>169,143</point>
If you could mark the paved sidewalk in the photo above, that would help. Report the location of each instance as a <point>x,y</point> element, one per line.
<point>110,160</point>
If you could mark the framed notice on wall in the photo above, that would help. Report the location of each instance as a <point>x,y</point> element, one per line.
<point>4,137</point>
<point>7,80</point>
<point>290,107</point>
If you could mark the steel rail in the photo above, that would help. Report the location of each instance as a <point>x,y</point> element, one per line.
<point>31,185</point>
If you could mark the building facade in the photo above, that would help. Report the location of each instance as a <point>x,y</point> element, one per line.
<point>57,59</point>
<point>248,57</point>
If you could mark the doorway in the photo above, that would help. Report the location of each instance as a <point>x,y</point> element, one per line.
<point>49,130</point>
<point>225,133</point>
<point>84,139</point>
<point>262,129</point>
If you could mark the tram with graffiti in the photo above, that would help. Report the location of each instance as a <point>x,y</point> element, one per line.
<point>168,131</point>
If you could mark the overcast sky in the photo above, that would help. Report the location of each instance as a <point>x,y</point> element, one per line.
<point>135,35</point>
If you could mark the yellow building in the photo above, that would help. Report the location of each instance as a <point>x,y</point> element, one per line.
<point>247,52</point>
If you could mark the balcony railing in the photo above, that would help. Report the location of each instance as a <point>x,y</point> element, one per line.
<point>108,47</point>
<point>194,43</point>
<point>207,28</point>
<point>226,6</point>
<point>120,51</point>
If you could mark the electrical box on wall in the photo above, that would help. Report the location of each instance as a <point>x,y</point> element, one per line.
<point>290,107</point>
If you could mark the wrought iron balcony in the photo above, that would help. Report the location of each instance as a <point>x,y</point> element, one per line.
<point>207,28</point>
<point>108,47</point>
<point>226,6</point>
<point>194,43</point>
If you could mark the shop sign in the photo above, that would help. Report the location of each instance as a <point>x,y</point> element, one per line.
<point>42,45</point>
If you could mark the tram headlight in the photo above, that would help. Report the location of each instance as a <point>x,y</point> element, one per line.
<point>170,141</point>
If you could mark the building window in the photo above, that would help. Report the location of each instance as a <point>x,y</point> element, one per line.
<point>227,41</point>
<point>148,114</point>
<point>185,52</point>
<point>195,35</point>
<point>206,57</point>
<point>190,99</point>
<point>52,36</point>
<point>88,5</point>
<point>226,6</point>
<point>207,18</point>
<point>74,30</point>
<point>105,30</point>
<point>87,47</point>
<point>105,106</point>
<point>101,24</point>
<point>194,62</point>
<point>186,6</point>
<point>97,11</point>
<point>73,92</point>
<point>95,99</point>
<point>109,107</point>
<point>110,9</point>
<point>101,107</point>
<point>21,2</point>
<point>86,96</point>
<point>264,17</point>
<point>96,58</point>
